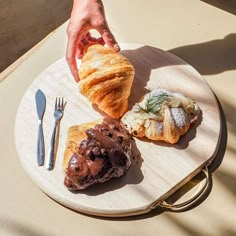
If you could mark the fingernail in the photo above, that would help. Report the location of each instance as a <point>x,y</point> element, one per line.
<point>77,79</point>
<point>80,55</point>
<point>116,47</point>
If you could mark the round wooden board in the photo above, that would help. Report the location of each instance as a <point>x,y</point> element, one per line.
<point>158,169</point>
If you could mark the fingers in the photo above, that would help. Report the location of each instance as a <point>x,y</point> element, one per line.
<point>80,39</point>
<point>80,50</point>
<point>81,46</point>
<point>85,42</point>
<point>109,38</point>
<point>72,48</point>
<point>94,40</point>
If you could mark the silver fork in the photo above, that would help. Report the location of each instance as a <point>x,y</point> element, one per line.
<point>58,113</point>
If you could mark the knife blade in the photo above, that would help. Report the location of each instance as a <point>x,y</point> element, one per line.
<point>40,100</point>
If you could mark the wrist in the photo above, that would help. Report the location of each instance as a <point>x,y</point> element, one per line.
<point>86,4</point>
<point>87,1</point>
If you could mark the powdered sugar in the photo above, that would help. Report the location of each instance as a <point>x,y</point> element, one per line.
<point>159,127</point>
<point>179,116</point>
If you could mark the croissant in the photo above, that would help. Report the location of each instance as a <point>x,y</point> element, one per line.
<point>161,116</point>
<point>96,152</point>
<point>106,79</point>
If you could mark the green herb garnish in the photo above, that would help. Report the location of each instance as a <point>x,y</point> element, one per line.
<point>153,103</point>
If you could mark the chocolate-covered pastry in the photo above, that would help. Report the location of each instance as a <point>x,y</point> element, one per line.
<point>95,153</point>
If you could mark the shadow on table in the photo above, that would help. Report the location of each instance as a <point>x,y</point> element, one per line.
<point>13,227</point>
<point>19,19</point>
<point>229,6</point>
<point>212,57</point>
<point>145,59</point>
<point>208,58</point>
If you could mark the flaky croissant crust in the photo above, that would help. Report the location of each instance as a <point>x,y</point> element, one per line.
<point>173,120</point>
<point>75,135</point>
<point>106,79</point>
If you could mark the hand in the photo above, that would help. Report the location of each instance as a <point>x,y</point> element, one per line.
<point>86,15</point>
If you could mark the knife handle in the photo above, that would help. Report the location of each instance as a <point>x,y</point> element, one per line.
<point>40,145</point>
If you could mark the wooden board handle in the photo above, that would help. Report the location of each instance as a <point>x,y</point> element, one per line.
<point>193,199</point>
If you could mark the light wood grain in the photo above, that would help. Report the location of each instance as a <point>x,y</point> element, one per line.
<point>158,169</point>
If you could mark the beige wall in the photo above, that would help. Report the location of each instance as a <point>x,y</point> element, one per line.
<point>23,23</point>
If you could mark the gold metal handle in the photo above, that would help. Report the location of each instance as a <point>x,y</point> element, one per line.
<point>192,199</point>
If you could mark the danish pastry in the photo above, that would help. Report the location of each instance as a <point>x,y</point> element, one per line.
<point>161,115</point>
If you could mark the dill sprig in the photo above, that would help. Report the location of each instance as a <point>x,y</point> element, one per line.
<point>153,103</point>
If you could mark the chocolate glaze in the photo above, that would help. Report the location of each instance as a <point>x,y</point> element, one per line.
<point>102,156</point>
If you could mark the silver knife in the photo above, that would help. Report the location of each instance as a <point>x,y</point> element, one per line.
<point>40,105</point>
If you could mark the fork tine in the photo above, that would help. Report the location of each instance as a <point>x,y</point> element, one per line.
<point>62,103</point>
<point>56,104</point>
<point>59,104</point>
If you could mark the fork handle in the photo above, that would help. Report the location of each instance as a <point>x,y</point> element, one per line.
<point>40,145</point>
<point>51,153</point>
